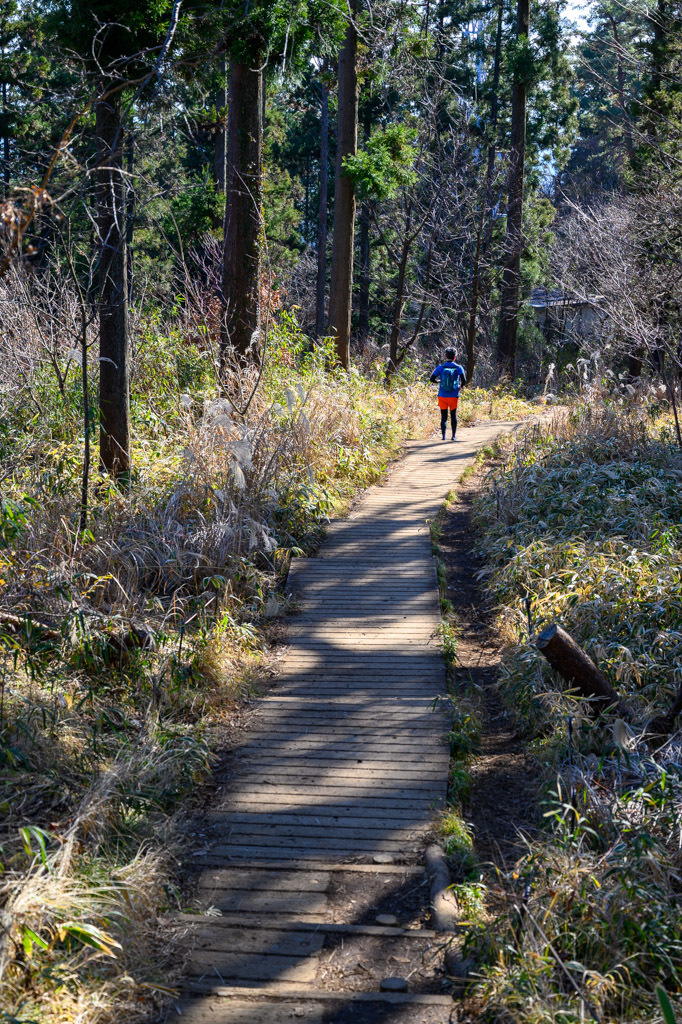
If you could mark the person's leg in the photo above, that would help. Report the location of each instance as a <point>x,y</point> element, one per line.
<point>453,418</point>
<point>443,421</point>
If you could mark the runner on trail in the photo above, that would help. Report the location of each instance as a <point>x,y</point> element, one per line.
<point>451,376</point>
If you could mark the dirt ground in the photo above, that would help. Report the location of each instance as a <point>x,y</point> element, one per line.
<point>503,806</point>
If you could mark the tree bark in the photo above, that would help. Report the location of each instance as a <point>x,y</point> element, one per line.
<point>5,140</point>
<point>131,205</point>
<point>622,100</point>
<point>509,300</point>
<point>365,216</point>
<point>495,95</point>
<point>114,373</point>
<point>321,282</point>
<point>473,311</point>
<point>363,294</point>
<point>577,669</point>
<point>483,239</point>
<point>341,282</point>
<point>399,297</point>
<point>220,138</point>
<point>244,194</point>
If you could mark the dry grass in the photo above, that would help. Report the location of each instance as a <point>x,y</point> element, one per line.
<point>139,636</point>
<point>156,623</point>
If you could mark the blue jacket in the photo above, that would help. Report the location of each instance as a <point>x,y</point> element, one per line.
<point>459,379</point>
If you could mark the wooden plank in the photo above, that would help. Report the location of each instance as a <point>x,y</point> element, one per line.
<point>377,735</point>
<point>241,1011</point>
<point>432,722</point>
<point>402,751</point>
<point>352,754</point>
<point>247,852</point>
<point>312,768</point>
<point>271,881</point>
<point>403,705</point>
<point>371,818</point>
<point>366,720</point>
<point>312,802</point>
<point>279,942</point>
<point>273,991</point>
<point>320,845</point>
<point>243,966</point>
<point>348,788</point>
<point>262,900</point>
<point>230,921</point>
<point>312,864</point>
<point>364,832</point>
<point>398,811</point>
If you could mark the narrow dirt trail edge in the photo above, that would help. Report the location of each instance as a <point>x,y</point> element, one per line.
<point>312,871</point>
<point>503,803</point>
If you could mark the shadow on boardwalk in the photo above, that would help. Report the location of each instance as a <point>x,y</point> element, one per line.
<point>344,768</point>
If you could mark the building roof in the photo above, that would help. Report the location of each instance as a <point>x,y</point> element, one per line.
<point>542,298</point>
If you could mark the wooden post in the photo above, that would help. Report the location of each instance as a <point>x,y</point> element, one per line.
<point>578,669</point>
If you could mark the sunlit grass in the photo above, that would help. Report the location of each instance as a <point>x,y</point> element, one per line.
<point>585,520</point>
<point>104,737</point>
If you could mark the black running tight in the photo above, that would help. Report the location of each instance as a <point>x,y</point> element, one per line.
<point>444,421</point>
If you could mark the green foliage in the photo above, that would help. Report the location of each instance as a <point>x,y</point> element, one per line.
<point>117,28</point>
<point>196,210</point>
<point>385,165</point>
<point>458,844</point>
<point>665,1005</point>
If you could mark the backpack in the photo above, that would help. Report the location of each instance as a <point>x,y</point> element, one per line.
<point>449,378</point>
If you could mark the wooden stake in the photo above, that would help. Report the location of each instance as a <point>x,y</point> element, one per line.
<point>578,669</point>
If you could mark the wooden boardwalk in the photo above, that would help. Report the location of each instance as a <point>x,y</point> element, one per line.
<point>340,777</point>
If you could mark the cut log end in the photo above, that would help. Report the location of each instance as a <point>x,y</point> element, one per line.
<point>578,670</point>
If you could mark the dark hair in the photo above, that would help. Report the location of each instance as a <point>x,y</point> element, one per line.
<point>449,353</point>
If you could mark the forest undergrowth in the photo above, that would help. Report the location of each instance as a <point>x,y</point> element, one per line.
<point>580,524</point>
<point>125,647</point>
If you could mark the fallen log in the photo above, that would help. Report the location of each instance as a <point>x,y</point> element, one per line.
<point>578,670</point>
<point>445,915</point>
<point>23,623</point>
<point>119,641</point>
<point>444,912</point>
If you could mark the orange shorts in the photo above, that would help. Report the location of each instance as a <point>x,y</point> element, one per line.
<point>447,403</point>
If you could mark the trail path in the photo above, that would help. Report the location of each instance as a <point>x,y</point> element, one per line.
<point>314,852</point>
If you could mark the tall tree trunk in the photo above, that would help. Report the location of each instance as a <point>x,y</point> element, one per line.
<point>509,300</point>
<point>220,137</point>
<point>322,210</point>
<point>483,240</point>
<point>495,95</point>
<point>307,233</point>
<point>5,139</point>
<point>244,193</point>
<point>364,269</point>
<point>622,100</point>
<point>130,215</point>
<point>363,296</point>
<point>473,310</point>
<point>397,317</point>
<point>114,380</point>
<point>341,282</point>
